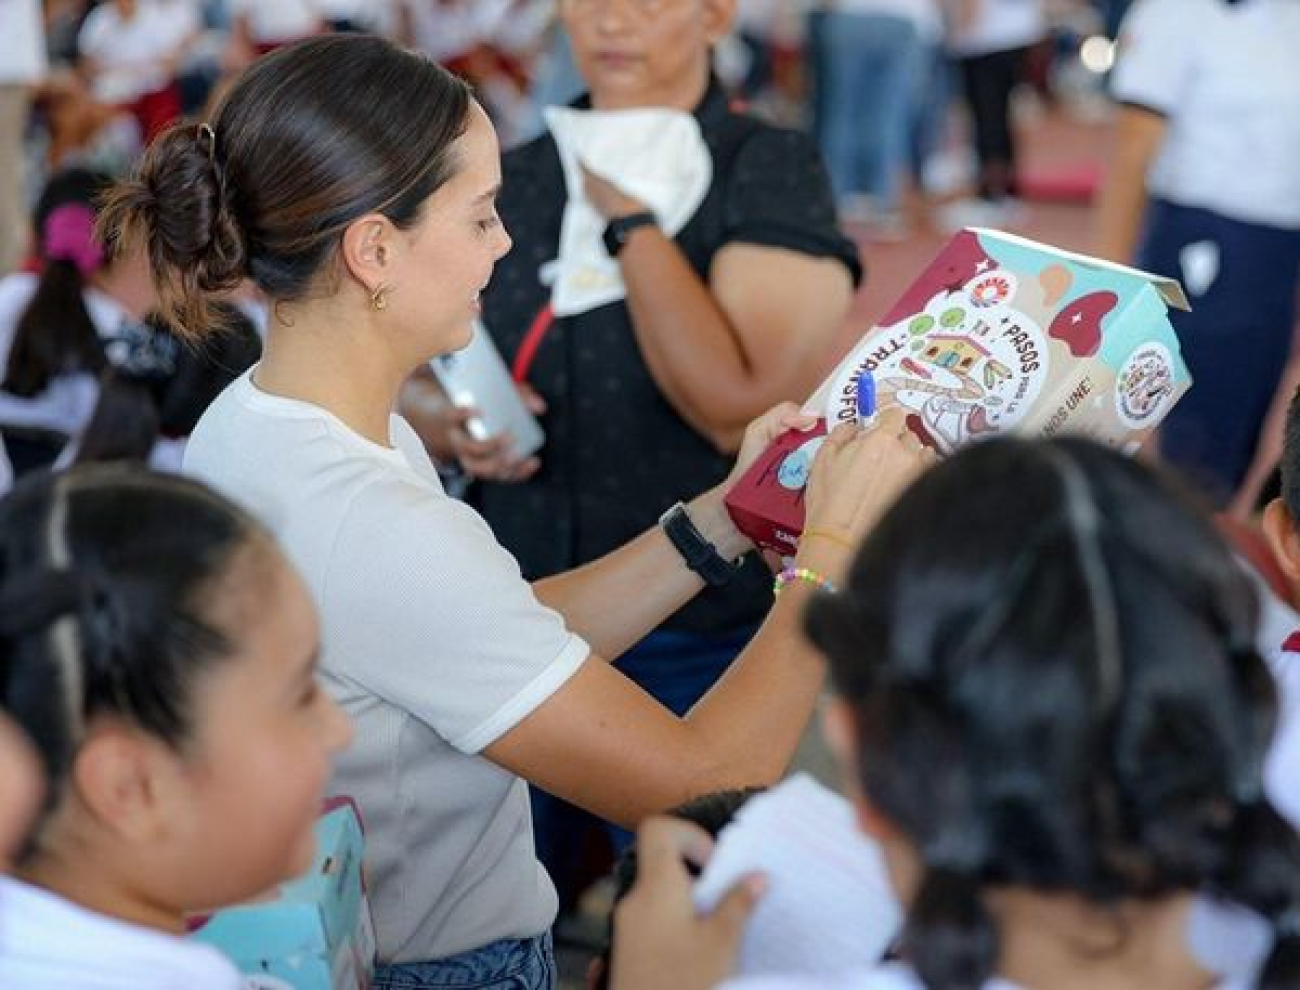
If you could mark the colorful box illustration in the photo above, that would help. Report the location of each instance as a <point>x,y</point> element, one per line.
<point>316,932</point>
<point>998,333</point>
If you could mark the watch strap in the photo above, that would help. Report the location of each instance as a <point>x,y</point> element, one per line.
<point>700,555</point>
<point>618,229</point>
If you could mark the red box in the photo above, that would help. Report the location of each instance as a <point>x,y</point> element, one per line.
<point>767,503</point>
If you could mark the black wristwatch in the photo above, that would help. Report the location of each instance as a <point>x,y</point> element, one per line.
<point>700,555</point>
<point>618,230</point>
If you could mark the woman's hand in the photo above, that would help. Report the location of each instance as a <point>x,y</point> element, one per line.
<point>608,199</point>
<point>659,939</point>
<point>858,472</point>
<point>444,428</point>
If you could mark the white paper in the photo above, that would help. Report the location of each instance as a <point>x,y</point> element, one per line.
<point>828,906</point>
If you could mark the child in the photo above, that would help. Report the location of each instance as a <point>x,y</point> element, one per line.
<point>182,734</point>
<point>1053,721</point>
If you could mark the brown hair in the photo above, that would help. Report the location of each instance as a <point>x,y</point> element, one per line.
<point>307,140</point>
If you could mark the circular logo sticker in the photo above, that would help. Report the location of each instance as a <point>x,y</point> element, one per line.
<point>991,289</point>
<point>794,470</point>
<point>1145,384</point>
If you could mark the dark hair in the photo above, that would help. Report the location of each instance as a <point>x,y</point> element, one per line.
<point>135,408</point>
<point>54,334</point>
<point>106,573</point>
<point>712,812</point>
<point>307,140</point>
<point>1289,468</point>
<point>1050,653</point>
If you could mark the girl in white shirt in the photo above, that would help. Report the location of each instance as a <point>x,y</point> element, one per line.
<point>1053,720</point>
<point>160,652</point>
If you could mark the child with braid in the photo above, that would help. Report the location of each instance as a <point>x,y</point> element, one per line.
<point>1055,723</point>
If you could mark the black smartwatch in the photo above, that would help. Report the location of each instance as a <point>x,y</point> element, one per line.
<point>700,555</point>
<point>618,230</point>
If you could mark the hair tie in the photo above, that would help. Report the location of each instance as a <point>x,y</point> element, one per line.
<point>69,235</point>
<point>209,136</point>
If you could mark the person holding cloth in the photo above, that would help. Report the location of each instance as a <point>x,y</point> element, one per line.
<point>677,270</point>
<point>353,182</point>
<point>1205,187</point>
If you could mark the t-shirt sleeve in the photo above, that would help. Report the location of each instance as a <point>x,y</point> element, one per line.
<point>1157,55</point>
<point>778,195</point>
<point>424,608</point>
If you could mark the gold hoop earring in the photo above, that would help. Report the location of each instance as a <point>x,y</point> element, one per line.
<point>379,298</point>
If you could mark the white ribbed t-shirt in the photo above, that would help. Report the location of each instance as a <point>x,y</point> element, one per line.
<point>433,643</point>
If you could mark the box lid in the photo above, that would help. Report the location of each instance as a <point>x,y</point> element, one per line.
<point>1170,289</point>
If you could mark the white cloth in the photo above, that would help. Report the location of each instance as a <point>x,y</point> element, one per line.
<point>49,943</point>
<point>274,21</point>
<point>999,26</point>
<point>656,156</point>
<point>132,55</point>
<point>22,43</point>
<point>433,643</point>
<point>1227,77</point>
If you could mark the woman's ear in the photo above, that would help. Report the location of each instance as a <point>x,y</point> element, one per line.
<point>367,249</point>
<point>127,783</point>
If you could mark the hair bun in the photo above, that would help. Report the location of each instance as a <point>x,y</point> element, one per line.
<point>178,205</point>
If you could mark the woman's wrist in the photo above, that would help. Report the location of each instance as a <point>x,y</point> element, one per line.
<point>709,514</point>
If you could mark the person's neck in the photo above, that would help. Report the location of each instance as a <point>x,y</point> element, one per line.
<point>685,96</point>
<point>1065,943</point>
<point>85,884</point>
<point>339,363</point>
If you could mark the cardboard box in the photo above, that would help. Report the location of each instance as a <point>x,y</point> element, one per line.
<point>999,333</point>
<point>315,933</point>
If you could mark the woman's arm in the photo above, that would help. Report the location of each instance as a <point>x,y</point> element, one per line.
<point>721,353</point>
<point>604,744</point>
<point>1138,136</point>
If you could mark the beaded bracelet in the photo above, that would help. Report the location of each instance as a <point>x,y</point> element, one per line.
<point>792,574</point>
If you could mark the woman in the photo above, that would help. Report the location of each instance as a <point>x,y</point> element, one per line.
<point>1053,722</point>
<point>354,183</point>
<point>723,315</point>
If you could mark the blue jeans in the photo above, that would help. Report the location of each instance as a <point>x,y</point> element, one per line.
<point>874,70</point>
<point>510,964</point>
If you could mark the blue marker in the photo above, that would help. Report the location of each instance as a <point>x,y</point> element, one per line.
<point>866,397</point>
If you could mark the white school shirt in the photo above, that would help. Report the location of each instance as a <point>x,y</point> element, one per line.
<point>22,43</point>
<point>65,406</point>
<point>273,21</point>
<point>433,643</point>
<point>131,54</point>
<point>891,976</point>
<point>1227,78</point>
<point>1000,26</point>
<point>49,943</point>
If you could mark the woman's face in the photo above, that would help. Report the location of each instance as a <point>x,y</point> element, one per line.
<point>448,255</point>
<point>645,53</point>
<point>249,783</point>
